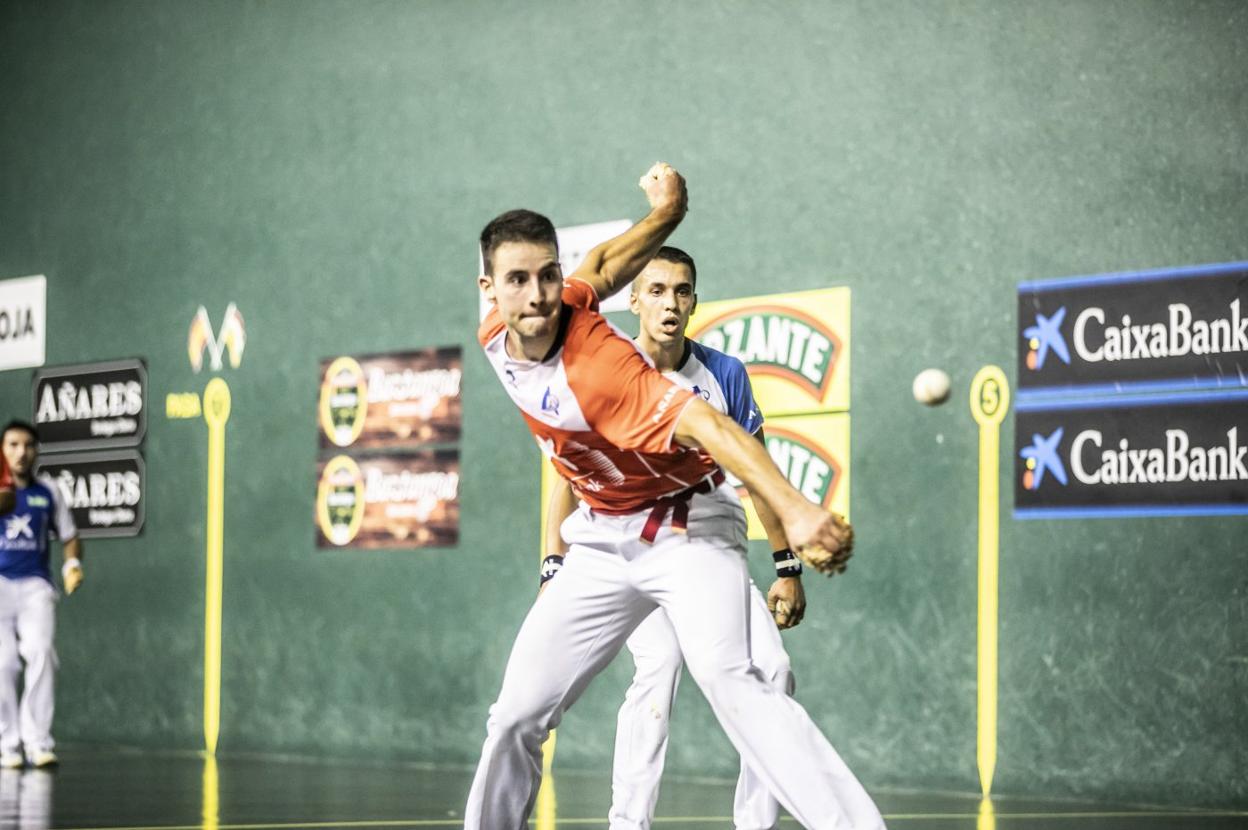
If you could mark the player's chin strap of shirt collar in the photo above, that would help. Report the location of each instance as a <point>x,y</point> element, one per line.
<point>678,504</point>
<point>565,317</point>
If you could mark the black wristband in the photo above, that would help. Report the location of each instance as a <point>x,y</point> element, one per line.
<point>786,563</point>
<point>550,566</point>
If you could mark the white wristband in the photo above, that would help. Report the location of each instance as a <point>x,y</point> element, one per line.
<point>70,564</point>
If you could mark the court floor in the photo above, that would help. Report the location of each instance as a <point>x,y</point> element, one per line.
<point>97,788</point>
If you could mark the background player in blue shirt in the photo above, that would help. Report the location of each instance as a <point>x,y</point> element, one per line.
<point>664,297</point>
<point>28,601</point>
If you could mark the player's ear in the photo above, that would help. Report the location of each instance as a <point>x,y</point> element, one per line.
<point>694,307</point>
<point>486,283</point>
<point>634,304</point>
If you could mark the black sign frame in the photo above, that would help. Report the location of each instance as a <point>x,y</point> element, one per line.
<point>52,437</point>
<point>1201,417</point>
<point>86,531</point>
<point>1134,309</point>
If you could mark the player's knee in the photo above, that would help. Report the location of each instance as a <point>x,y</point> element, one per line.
<point>713,677</point>
<point>10,661</point>
<point>37,652</point>
<point>785,682</point>
<point>779,675</point>
<point>514,722</point>
<point>658,668</point>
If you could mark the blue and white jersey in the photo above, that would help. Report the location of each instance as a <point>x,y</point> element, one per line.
<point>41,510</point>
<point>721,381</point>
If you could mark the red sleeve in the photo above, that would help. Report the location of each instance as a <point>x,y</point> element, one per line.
<point>623,398</point>
<point>580,294</point>
<point>490,326</point>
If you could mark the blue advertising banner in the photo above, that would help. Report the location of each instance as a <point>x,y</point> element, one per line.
<point>1146,331</point>
<point>1183,454</point>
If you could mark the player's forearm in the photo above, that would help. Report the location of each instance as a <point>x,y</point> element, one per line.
<point>73,549</point>
<point>740,454</point>
<point>616,262</point>
<point>561,505</point>
<point>772,525</point>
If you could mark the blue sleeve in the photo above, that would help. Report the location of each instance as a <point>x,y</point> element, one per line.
<point>734,381</point>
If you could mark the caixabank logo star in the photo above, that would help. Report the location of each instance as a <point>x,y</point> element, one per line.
<point>1046,336</point>
<point>1041,457</point>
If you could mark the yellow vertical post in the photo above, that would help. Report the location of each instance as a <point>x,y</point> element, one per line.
<point>547,806</point>
<point>990,400</point>
<point>211,798</point>
<point>216,413</point>
<point>548,748</point>
<point>987,818</point>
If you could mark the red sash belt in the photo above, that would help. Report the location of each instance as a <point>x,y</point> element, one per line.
<point>678,504</point>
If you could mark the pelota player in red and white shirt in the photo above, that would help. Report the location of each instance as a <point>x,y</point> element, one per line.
<point>660,528</point>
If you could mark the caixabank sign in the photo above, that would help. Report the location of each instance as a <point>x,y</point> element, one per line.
<point>1179,328</point>
<point>1133,394</point>
<point>1164,455</point>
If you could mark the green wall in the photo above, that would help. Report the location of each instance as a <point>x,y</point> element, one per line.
<point>327,166</point>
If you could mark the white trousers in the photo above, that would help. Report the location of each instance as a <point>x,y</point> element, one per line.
<point>611,582</point>
<point>642,726</point>
<point>27,628</point>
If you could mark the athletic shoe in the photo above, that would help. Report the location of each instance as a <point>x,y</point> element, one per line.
<point>12,760</point>
<point>45,758</point>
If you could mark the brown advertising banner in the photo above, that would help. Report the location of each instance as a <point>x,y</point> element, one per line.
<point>388,473</point>
<point>390,401</point>
<point>388,501</point>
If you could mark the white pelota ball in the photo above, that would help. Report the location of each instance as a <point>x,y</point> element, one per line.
<point>931,387</point>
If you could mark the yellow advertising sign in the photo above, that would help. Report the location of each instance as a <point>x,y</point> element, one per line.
<point>795,346</point>
<point>813,453</point>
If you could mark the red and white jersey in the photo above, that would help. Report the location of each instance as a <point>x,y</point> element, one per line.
<point>598,409</point>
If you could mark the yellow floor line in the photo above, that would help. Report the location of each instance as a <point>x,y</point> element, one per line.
<point>450,822</point>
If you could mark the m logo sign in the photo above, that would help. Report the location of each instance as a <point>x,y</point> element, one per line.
<point>231,337</point>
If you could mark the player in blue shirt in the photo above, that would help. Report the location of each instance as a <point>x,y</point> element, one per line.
<point>28,601</point>
<point>663,296</point>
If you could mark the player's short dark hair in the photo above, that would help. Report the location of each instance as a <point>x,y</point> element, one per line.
<point>19,424</point>
<point>670,253</point>
<point>515,226</point>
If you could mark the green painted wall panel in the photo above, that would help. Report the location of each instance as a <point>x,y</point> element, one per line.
<point>327,167</point>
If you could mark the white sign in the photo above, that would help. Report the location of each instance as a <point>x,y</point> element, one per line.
<point>23,319</point>
<point>575,242</point>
